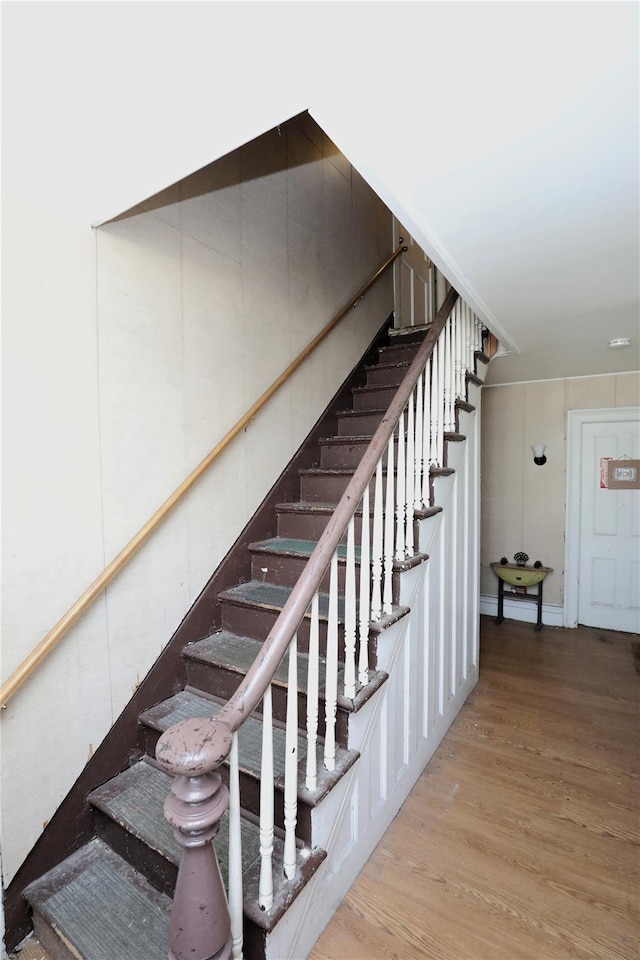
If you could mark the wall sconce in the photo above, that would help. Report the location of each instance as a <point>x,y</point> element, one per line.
<point>538,454</point>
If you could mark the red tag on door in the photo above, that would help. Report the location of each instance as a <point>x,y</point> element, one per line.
<point>603,472</point>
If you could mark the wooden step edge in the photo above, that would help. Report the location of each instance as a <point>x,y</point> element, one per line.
<point>426,512</point>
<point>342,441</point>
<point>464,405</point>
<point>362,413</point>
<point>401,332</point>
<point>399,566</point>
<point>388,619</point>
<point>474,378</point>
<point>375,388</point>
<point>441,471</point>
<point>454,437</point>
<point>481,357</point>
<point>388,365</point>
<point>312,506</point>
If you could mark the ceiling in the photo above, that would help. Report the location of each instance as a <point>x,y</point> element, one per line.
<point>503,135</point>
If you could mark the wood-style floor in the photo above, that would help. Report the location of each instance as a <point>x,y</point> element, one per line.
<point>521,838</point>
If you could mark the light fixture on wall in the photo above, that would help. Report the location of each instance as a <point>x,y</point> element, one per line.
<point>538,453</point>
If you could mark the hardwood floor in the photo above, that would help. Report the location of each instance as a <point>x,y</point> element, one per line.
<point>521,838</point>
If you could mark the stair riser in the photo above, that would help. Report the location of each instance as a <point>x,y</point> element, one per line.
<point>160,872</point>
<point>257,623</point>
<point>222,682</point>
<point>286,571</point>
<point>373,399</point>
<point>364,425</point>
<point>328,488</point>
<point>310,526</point>
<point>335,456</point>
<point>342,456</point>
<point>389,376</point>
<point>397,353</point>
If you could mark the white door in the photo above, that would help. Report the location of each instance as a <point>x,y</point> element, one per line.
<point>609,554</point>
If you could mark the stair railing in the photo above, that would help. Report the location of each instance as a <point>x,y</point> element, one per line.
<point>391,484</point>
<point>84,601</point>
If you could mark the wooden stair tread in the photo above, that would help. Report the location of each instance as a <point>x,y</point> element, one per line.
<point>188,705</point>
<point>291,547</point>
<point>271,596</point>
<point>102,906</point>
<point>236,654</point>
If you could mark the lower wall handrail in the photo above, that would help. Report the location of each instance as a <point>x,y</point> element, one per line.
<point>192,750</point>
<point>73,614</point>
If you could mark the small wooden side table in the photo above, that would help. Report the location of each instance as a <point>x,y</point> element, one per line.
<point>523,577</point>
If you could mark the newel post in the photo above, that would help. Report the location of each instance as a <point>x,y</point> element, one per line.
<point>191,751</point>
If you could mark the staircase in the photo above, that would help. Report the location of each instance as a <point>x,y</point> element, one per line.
<point>111,898</point>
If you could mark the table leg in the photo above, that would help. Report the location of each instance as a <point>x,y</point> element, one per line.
<point>500,616</point>
<point>539,620</point>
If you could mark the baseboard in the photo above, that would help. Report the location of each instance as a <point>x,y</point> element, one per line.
<point>552,613</point>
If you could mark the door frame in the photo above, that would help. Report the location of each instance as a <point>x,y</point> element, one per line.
<point>576,419</point>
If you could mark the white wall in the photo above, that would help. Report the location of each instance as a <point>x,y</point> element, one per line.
<point>524,505</point>
<point>129,351</point>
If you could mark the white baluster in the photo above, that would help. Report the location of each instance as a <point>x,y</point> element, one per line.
<point>410,483</point>
<point>441,397</point>
<point>376,559</point>
<point>235,852</point>
<point>311,778</point>
<point>387,589</point>
<point>331,681</point>
<point>291,763</point>
<point>418,455</point>
<point>470,360</point>
<point>365,589</point>
<point>265,892</point>
<point>350,616</point>
<point>426,441</point>
<point>455,345</point>
<point>436,403</point>
<point>401,505</point>
<point>448,378</point>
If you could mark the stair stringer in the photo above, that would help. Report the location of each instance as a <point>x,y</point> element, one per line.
<point>432,658</point>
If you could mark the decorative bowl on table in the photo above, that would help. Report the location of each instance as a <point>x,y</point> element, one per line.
<point>518,576</point>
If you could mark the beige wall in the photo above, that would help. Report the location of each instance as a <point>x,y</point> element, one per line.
<point>128,352</point>
<point>524,505</point>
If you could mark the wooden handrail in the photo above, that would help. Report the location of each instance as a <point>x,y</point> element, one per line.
<point>74,612</point>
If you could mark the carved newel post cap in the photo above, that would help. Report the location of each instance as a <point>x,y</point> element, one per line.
<point>192,748</point>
